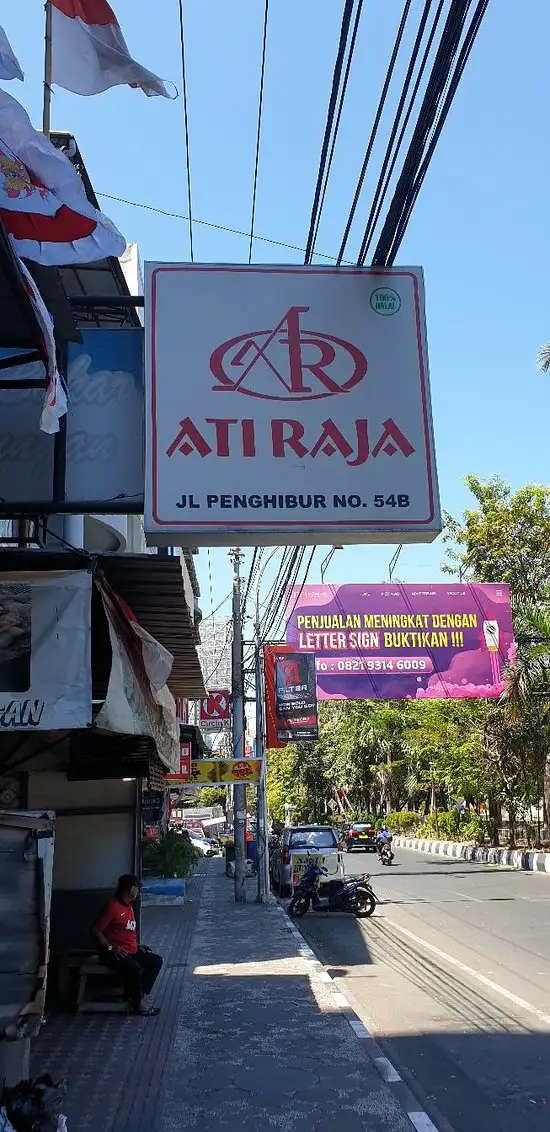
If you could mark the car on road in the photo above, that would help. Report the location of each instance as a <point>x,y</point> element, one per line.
<point>203,844</point>
<point>298,841</point>
<point>360,835</point>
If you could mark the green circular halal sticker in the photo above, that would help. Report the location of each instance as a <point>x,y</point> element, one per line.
<point>385,301</point>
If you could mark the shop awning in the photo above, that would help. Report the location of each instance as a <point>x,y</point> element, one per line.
<point>152,586</point>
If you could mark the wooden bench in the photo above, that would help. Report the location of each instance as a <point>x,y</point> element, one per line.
<point>85,967</point>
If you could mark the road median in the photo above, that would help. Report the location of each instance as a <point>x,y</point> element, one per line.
<point>525,860</point>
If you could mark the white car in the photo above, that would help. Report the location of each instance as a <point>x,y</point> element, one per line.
<point>202,844</point>
<point>297,844</point>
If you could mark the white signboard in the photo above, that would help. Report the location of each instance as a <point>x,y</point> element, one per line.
<point>287,404</point>
<point>45,665</point>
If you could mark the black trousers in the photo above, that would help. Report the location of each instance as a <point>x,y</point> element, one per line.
<point>138,973</point>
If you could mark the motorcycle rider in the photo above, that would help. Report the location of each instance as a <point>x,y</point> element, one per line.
<point>384,838</point>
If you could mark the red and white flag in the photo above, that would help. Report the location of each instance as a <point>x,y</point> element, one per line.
<point>9,64</point>
<point>55,400</point>
<point>89,52</point>
<point>43,203</point>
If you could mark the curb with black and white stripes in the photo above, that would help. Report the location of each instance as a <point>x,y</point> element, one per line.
<point>418,1118</point>
<point>525,860</point>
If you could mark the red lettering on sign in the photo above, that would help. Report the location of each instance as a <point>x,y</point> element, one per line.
<point>287,440</point>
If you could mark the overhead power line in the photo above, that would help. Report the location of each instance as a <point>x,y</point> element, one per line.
<point>331,113</point>
<point>337,122</point>
<point>447,70</point>
<point>259,132</point>
<point>379,194</point>
<point>452,85</point>
<point>217,227</point>
<point>374,130</point>
<point>186,127</point>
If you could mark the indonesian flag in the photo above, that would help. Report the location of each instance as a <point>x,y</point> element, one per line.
<point>43,203</point>
<point>55,400</point>
<point>9,64</point>
<point>89,52</point>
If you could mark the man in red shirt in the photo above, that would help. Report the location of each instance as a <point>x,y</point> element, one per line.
<point>117,946</point>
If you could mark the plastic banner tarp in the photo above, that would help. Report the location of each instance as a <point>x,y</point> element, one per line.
<point>45,663</point>
<point>396,641</point>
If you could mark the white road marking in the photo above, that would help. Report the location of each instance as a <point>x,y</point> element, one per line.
<point>521,1002</point>
<point>465,896</point>
<point>421,1122</point>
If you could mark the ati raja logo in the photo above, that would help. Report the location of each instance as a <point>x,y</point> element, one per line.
<point>287,363</point>
<point>284,439</point>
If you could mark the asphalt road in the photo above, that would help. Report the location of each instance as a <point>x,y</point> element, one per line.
<point>452,977</point>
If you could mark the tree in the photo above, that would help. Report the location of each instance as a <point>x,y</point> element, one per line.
<point>213,796</point>
<point>528,693</point>
<point>506,538</point>
<point>543,359</point>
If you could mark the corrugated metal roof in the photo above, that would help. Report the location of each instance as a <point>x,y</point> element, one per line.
<point>152,586</point>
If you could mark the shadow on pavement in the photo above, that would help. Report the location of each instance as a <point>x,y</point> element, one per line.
<point>248,1037</point>
<point>477,1082</point>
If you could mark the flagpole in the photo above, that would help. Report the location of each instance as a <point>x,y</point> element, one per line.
<point>46,113</point>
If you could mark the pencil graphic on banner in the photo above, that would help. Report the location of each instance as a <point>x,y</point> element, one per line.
<point>491,631</point>
<point>492,636</point>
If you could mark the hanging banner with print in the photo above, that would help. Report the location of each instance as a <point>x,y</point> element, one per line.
<point>396,641</point>
<point>290,695</point>
<point>45,665</point>
<point>211,772</point>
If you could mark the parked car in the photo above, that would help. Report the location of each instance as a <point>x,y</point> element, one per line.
<point>315,839</point>
<point>201,843</point>
<point>360,835</point>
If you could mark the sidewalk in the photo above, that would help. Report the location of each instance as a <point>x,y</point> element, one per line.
<point>249,1036</point>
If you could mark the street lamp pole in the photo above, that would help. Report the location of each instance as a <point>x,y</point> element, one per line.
<point>262,821</point>
<point>239,793</point>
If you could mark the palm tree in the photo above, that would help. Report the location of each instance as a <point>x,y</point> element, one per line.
<point>527,695</point>
<point>543,358</point>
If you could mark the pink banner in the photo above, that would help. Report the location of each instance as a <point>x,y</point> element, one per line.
<point>394,642</point>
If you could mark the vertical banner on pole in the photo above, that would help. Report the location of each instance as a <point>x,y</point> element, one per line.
<point>291,698</point>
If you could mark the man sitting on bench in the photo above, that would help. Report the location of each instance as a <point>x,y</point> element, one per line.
<point>117,947</point>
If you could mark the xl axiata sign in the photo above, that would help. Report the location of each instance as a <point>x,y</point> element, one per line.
<point>287,403</point>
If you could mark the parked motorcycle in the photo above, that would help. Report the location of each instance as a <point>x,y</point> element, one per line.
<point>353,895</point>
<point>386,853</point>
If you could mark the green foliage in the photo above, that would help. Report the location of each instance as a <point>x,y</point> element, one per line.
<point>171,856</point>
<point>473,829</point>
<point>402,821</point>
<point>213,796</point>
<point>450,825</point>
<point>505,539</point>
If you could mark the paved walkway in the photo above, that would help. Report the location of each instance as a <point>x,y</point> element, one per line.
<point>249,1037</point>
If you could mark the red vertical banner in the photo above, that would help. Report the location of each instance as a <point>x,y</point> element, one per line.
<point>270,694</point>
<point>291,697</point>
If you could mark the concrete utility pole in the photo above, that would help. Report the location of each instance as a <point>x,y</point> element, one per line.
<point>263,849</point>
<point>239,798</point>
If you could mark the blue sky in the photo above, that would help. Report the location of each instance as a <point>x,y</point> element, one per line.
<point>480,227</point>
